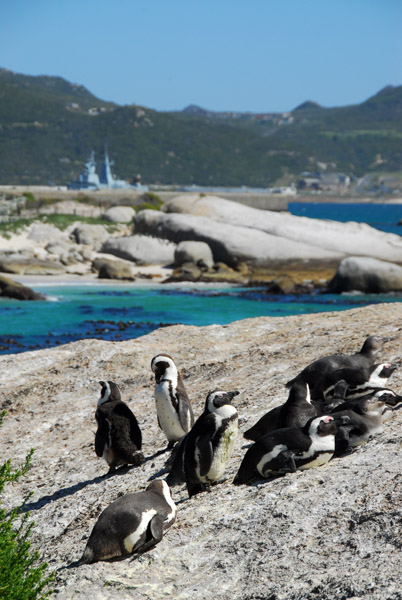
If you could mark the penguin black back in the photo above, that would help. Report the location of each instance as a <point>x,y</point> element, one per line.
<point>322,366</point>
<point>118,438</point>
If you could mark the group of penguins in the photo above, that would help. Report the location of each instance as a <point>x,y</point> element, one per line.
<point>336,403</point>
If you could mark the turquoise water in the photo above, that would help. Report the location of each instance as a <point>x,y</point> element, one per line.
<point>381,216</point>
<point>74,312</point>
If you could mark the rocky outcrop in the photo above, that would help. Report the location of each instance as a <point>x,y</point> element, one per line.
<point>13,289</point>
<point>113,269</point>
<point>193,252</point>
<point>89,235</point>
<point>326,533</point>
<point>231,244</point>
<point>331,236</point>
<point>141,249</point>
<point>119,214</point>
<point>21,265</point>
<point>366,275</point>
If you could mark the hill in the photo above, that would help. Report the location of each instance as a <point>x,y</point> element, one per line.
<point>329,532</point>
<point>49,126</point>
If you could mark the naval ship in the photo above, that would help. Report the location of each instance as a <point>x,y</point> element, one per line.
<point>90,180</point>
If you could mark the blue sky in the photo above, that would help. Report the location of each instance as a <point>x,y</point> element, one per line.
<point>245,55</point>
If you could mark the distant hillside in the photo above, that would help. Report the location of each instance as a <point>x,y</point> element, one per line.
<point>49,126</point>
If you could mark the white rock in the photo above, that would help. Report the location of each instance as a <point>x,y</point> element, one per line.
<point>141,249</point>
<point>119,214</point>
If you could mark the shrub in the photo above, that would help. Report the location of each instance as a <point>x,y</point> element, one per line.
<point>21,575</point>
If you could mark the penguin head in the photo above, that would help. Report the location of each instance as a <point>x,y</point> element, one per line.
<point>373,344</point>
<point>377,405</point>
<point>388,396</point>
<point>109,391</point>
<point>299,392</point>
<point>321,426</point>
<point>163,367</point>
<point>217,400</point>
<point>380,373</point>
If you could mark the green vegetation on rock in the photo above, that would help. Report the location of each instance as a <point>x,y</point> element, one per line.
<point>22,576</point>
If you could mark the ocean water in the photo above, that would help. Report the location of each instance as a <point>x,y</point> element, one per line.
<point>120,312</point>
<point>381,216</point>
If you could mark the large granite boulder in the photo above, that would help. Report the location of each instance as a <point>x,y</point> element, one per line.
<point>89,235</point>
<point>141,249</point>
<point>42,232</point>
<point>30,266</point>
<point>367,275</point>
<point>193,252</point>
<point>342,238</point>
<point>119,214</point>
<point>113,268</point>
<point>328,533</point>
<point>12,289</point>
<point>231,244</point>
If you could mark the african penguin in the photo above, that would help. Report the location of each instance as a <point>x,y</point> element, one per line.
<point>173,407</point>
<point>295,412</point>
<point>356,427</point>
<point>286,450</point>
<point>362,359</point>
<point>209,444</point>
<point>118,438</point>
<point>360,381</point>
<point>132,523</point>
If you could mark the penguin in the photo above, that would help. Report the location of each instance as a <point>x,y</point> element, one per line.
<point>173,407</point>
<point>132,523</point>
<point>357,425</point>
<point>377,403</point>
<point>118,438</point>
<point>209,444</point>
<point>286,450</point>
<point>363,359</point>
<point>295,412</point>
<point>360,381</point>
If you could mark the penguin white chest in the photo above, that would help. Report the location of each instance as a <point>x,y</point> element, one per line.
<point>223,451</point>
<point>168,417</point>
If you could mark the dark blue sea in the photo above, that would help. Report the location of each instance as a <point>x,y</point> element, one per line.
<point>119,312</point>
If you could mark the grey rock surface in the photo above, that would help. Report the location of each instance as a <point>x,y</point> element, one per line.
<point>42,232</point>
<point>119,214</point>
<point>327,533</point>
<point>30,266</point>
<point>231,244</point>
<point>193,252</point>
<point>113,268</point>
<point>367,275</point>
<point>141,249</point>
<point>345,238</point>
<point>90,235</point>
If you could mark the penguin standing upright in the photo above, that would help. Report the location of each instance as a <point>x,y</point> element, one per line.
<point>286,450</point>
<point>209,444</point>
<point>173,407</point>
<point>132,523</point>
<point>118,438</point>
<point>322,366</point>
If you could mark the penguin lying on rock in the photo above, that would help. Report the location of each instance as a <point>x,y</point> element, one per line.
<point>118,438</point>
<point>295,412</point>
<point>132,523</point>
<point>286,450</point>
<point>361,360</point>
<point>358,425</point>
<point>360,381</point>
<point>209,445</point>
<point>173,407</point>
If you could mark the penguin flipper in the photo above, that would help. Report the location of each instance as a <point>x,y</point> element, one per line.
<point>154,534</point>
<point>100,437</point>
<point>284,462</point>
<point>186,415</point>
<point>205,454</point>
